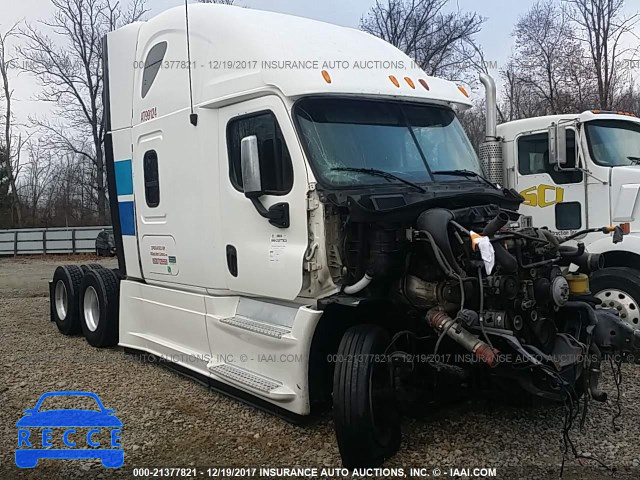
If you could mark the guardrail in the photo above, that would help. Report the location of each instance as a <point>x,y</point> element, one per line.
<point>33,241</point>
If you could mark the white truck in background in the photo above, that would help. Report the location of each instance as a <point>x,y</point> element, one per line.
<point>303,235</point>
<point>576,172</point>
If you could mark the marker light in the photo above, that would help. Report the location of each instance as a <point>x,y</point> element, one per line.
<point>394,80</point>
<point>611,112</point>
<point>410,82</point>
<point>424,83</point>
<point>464,92</point>
<point>326,76</point>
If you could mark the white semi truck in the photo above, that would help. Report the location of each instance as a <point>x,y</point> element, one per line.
<point>304,235</point>
<point>577,172</point>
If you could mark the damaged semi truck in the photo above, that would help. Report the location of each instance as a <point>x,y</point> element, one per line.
<point>332,220</point>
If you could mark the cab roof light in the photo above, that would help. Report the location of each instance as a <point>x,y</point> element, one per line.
<point>326,76</point>
<point>410,82</point>
<point>611,112</point>
<point>424,83</point>
<point>463,90</point>
<point>394,80</point>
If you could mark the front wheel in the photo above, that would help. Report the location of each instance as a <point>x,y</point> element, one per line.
<point>619,288</point>
<point>365,413</point>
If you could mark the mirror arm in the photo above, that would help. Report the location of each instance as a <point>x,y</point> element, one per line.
<point>277,214</point>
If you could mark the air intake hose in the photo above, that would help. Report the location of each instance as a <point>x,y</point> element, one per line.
<point>436,222</point>
<point>587,262</point>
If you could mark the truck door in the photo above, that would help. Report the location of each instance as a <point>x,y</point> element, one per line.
<point>554,199</point>
<point>263,259</point>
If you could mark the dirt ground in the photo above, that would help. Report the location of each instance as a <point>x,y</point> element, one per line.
<point>170,421</point>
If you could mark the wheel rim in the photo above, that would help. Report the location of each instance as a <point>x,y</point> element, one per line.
<point>624,303</point>
<point>91,308</point>
<point>61,300</point>
<point>381,401</point>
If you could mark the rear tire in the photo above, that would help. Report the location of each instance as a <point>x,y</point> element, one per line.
<point>98,306</point>
<point>64,298</point>
<point>619,288</point>
<point>90,266</point>
<point>365,414</point>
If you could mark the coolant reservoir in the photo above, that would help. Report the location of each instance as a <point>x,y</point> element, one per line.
<point>578,283</point>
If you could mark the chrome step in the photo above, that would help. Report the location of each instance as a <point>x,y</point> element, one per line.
<point>244,377</point>
<point>268,329</point>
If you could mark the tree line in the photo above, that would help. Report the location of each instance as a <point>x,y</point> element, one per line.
<point>567,56</point>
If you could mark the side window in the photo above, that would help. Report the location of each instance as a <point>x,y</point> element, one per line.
<point>568,216</point>
<point>275,161</point>
<point>151,179</point>
<point>533,157</point>
<point>152,65</point>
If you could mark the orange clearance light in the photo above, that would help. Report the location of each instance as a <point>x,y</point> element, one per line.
<point>424,83</point>
<point>394,80</point>
<point>410,82</point>
<point>326,76</point>
<point>464,92</point>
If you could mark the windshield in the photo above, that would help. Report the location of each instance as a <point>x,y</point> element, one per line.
<point>614,143</point>
<point>408,140</point>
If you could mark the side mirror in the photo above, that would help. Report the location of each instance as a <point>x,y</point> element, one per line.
<point>250,164</point>
<point>557,145</point>
<point>277,214</point>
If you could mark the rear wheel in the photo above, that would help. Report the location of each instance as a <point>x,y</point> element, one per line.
<point>90,266</point>
<point>66,287</point>
<point>99,307</point>
<point>619,288</point>
<point>365,413</point>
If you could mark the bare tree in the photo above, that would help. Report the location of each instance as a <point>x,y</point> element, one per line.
<point>546,52</point>
<point>35,179</point>
<point>69,68</point>
<point>219,2</point>
<point>604,29</point>
<point>10,151</point>
<point>440,42</point>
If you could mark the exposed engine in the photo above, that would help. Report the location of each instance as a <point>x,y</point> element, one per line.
<point>496,292</point>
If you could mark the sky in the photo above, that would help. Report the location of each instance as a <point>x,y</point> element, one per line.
<point>495,37</point>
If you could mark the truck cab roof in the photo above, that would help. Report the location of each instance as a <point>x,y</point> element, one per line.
<point>240,52</point>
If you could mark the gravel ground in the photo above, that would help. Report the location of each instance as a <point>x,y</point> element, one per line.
<point>171,421</point>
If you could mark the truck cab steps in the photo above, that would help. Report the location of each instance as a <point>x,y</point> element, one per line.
<point>245,378</point>
<point>255,326</point>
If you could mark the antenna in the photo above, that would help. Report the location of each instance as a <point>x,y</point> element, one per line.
<point>194,116</point>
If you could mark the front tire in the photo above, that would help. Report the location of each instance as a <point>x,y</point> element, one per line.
<point>99,305</point>
<point>619,288</point>
<point>365,414</point>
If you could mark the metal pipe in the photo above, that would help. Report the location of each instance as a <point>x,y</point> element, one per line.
<point>441,322</point>
<point>492,114</point>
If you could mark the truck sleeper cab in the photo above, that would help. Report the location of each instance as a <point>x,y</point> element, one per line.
<point>300,235</point>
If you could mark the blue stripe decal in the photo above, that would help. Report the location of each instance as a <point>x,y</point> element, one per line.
<point>127,218</point>
<point>124,177</point>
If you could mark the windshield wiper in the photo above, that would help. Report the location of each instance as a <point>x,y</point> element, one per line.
<point>379,173</point>
<point>634,160</point>
<point>464,173</point>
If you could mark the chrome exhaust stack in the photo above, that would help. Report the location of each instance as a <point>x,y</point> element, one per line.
<point>491,148</point>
